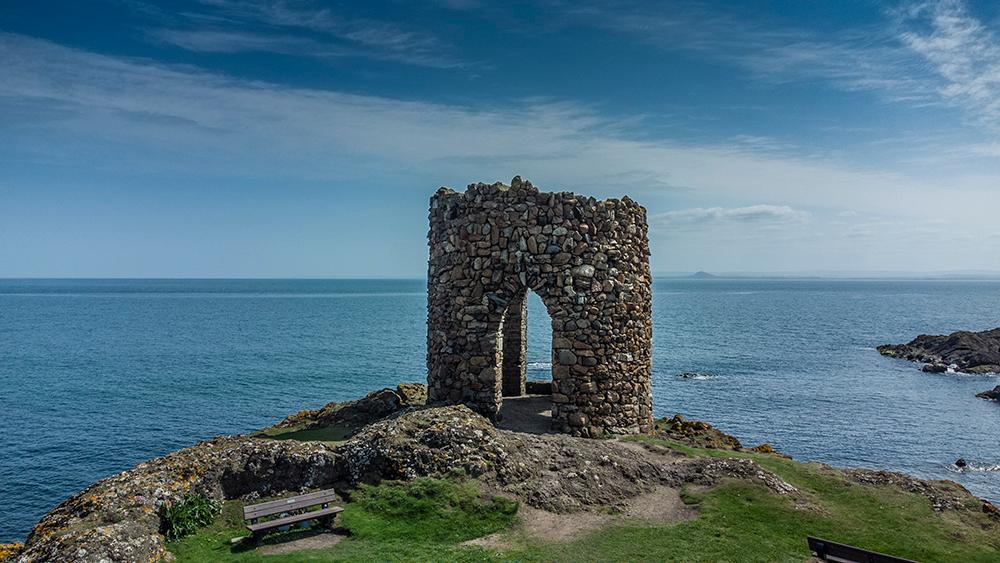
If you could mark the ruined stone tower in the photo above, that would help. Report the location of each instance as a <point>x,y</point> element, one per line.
<point>587,260</point>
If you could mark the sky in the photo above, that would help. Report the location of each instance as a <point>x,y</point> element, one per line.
<point>267,138</point>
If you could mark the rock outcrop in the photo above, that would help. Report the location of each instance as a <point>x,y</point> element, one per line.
<point>993,394</point>
<point>969,352</point>
<point>696,433</point>
<point>351,416</point>
<point>118,518</point>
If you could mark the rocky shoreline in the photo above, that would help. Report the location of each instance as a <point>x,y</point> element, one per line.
<point>992,394</point>
<point>392,434</point>
<point>962,351</point>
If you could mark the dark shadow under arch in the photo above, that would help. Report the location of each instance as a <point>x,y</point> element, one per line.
<point>522,408</point>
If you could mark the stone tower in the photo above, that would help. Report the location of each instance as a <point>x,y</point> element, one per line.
<point>587,260</point>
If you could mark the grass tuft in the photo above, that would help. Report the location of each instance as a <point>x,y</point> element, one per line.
<point>187,516</point>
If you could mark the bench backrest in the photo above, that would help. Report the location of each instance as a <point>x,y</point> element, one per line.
<point>289,504</point>
<point>832,551</point>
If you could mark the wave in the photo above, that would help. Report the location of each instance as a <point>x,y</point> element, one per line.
<point>971,467</point>
<point>539,365</point>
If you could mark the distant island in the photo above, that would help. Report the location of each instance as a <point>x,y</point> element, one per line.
<point>703,275</point>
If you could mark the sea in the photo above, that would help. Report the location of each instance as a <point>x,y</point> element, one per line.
<point>99,375</point>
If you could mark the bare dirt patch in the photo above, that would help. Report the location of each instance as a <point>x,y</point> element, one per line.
<point>663,505</point>
<point>322,540</point>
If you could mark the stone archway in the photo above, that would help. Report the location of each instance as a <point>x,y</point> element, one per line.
<point>588,261</point>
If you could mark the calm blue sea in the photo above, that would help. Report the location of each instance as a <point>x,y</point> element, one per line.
<point>97,375</point>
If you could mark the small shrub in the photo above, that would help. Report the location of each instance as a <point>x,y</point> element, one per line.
<point>183,518</point>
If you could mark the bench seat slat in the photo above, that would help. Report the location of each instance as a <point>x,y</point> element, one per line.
<point>281,501</point>
<point>294,519</point>
<point>289,504</point>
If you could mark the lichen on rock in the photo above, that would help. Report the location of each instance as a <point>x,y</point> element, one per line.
<point>695,433</point>
<point>117,519</point>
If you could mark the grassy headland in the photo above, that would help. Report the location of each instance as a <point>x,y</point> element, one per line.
<point>738,520</point>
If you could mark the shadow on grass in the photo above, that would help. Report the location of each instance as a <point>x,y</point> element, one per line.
<point>248,544</point>
<point>320,434</point>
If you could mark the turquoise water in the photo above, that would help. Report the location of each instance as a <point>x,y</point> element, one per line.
<point>97,375</point>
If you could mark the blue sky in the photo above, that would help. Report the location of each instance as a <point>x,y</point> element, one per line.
<point>218,138</point>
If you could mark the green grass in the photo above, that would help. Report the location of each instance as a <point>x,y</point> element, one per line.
<point>331,434</point>
<point>435,510</point>
<point>744,521</point>
<point>422,520</point>
<point>426,520</point>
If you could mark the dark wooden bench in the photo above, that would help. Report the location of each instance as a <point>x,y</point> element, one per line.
<point>842,553</point>
<point>291,510</point>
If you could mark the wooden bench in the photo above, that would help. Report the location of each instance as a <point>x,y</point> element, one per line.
<point>291,510</point>
<point>842,553</point>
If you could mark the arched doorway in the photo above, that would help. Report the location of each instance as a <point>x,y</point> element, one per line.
<point>526,365</point>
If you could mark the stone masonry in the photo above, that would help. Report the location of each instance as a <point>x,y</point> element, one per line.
<point>587,260</point>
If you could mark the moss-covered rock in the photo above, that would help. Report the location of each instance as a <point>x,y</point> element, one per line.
<point>695,433</point>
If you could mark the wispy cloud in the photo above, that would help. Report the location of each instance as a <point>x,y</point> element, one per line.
<point>859,59</point>
<point>64,107</point>
<point>963,51</point>
<point>712,217</point>
<point>217,41</point>
<point>890,60</point>
<point>228,26</point>
<point>103,111</point>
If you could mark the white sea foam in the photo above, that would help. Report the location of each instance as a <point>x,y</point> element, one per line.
<point>698,375</point>
<point>539,365</point>
<point>972,467</point>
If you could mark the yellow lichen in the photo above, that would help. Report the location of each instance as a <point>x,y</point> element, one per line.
<point>10,550</point>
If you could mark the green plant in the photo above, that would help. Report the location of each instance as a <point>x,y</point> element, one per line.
<point>186,516</point>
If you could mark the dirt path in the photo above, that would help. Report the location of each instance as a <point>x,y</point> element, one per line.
<point>316,541</point>
<point>660,506</point>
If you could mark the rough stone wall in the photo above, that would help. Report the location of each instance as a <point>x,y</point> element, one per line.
<point>588,260</point>
<point>515,346</point>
